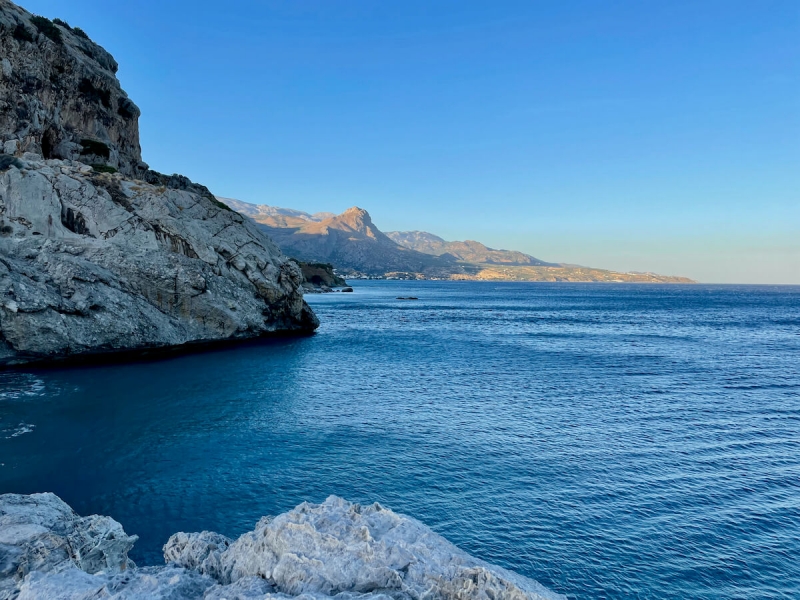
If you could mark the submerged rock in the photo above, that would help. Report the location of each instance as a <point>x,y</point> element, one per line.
<point>336,549</point>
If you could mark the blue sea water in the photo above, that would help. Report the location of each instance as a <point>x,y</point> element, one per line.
<point>610,441</point>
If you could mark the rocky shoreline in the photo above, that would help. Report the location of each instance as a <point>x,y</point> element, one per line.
<point>336,549</point>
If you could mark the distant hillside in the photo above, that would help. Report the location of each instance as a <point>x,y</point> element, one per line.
<point>274,216</point>
<point>468,251</point>
<point>350,241</point>
<point>353,244</point>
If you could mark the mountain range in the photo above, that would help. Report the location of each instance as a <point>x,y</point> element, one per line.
<point>356,247</point>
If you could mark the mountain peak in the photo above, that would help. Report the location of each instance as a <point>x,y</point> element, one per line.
<point>354,218</point>
<point>355,209</point>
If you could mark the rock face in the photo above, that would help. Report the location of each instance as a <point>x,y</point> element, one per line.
<point>320,277</point>
<point>93,262</point>
<point>59,95</point>
<point>41,534</point>
<point>335,549</point>
<point>97,252</point>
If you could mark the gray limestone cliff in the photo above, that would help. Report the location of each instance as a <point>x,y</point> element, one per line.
<point>336,549</point>
<point>98,261</point>
<point>60,97</point>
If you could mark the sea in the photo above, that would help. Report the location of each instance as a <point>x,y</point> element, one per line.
<point>609,441</point>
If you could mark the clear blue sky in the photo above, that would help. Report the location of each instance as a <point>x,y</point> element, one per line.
<point>631,135</point>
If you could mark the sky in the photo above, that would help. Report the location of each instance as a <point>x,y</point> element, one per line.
<point>627,135</point>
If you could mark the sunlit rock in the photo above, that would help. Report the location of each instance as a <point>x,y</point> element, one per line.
<point>336,549</point>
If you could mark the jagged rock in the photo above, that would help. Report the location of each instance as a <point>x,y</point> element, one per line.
<point>149,583</point>
<point>315,552</point>
<point>60,97</point>
<point>93,262</point>
<point>338,546</point>
<point>42,534</point>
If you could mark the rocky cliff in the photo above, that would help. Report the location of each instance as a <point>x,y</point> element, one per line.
<point>93,260</point>
<point>320,277</point>
<point>315,552</point>
<point>59,95</point>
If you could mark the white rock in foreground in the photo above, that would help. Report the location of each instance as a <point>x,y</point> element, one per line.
<point>334,549</point>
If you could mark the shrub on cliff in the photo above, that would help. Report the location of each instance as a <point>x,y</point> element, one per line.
<point>219,204</point>
<point>76,30</point>
<point>48,28</point>
<point>22,34</point>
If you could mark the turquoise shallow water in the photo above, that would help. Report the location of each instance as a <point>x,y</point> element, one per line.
<point>610,441</point>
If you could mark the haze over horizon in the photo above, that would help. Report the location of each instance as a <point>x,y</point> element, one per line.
<point>624,136</point>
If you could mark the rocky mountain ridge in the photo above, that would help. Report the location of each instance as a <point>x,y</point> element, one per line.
<point>350,241</point>
<point>358,248</point>
<point>274,216</point>
<point>467,251</point>
<point>99,254</point>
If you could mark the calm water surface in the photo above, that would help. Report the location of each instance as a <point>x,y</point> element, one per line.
<point>609,441</point>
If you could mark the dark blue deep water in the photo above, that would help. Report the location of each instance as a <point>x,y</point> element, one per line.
<point>611,441</point>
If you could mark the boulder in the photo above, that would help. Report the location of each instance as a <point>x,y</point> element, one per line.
<point>339,547</point>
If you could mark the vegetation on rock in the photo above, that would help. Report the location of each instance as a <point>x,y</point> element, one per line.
<point>22,34</point>
<point>48,28</point>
